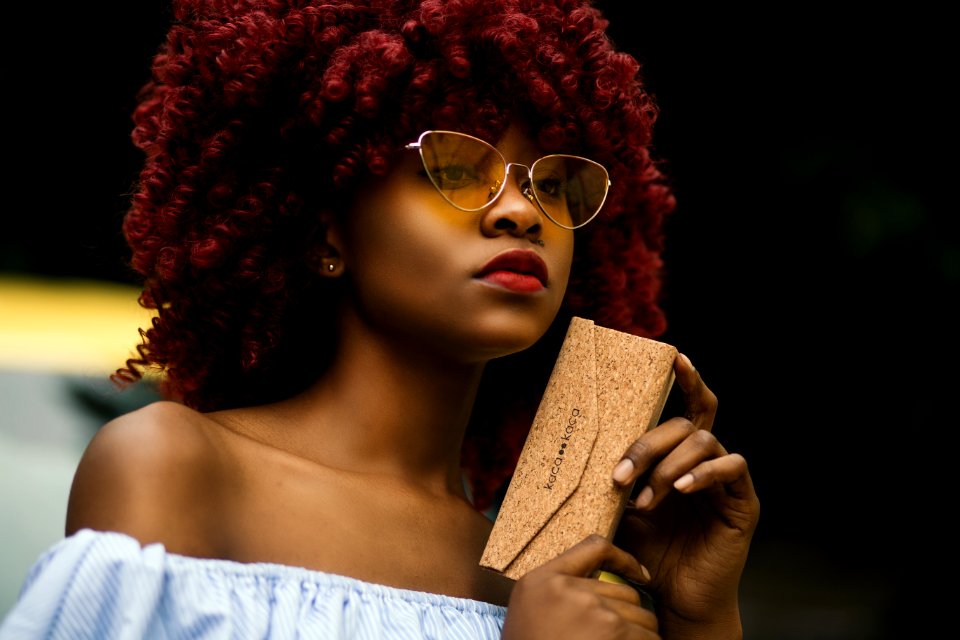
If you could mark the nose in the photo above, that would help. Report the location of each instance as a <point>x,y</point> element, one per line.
<point>514,211</point>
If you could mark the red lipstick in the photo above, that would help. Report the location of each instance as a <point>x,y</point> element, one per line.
<point>518,270</point>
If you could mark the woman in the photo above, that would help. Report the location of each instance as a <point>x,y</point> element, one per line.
<point>364,228</point>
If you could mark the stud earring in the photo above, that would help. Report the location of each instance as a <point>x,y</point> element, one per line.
<point>331,267</point>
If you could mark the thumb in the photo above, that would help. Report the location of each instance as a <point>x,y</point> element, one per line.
<point>593,553</point>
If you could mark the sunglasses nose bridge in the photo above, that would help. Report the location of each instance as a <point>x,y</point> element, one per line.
<point>526,181</point>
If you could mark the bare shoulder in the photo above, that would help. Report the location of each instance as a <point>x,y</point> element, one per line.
<point>149,474</point>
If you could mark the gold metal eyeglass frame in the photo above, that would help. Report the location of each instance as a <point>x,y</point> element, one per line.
<point>526,187</point>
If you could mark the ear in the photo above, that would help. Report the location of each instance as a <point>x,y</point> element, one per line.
<point>325,256</point>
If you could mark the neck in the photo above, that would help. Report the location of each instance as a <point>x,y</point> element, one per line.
<point>388,407</point>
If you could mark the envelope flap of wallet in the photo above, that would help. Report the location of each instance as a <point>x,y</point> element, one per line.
<point>565,427</point>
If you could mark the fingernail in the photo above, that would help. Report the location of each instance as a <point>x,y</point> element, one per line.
<point>646,574</point>
<point>645,498</point>
<point>683,482</point>
<point>687,361</point>
<point>621,473</point>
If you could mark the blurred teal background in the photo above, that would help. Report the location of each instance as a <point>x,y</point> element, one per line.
<point>812,271</point>
<point>60,338</point>
<point>40,442</point>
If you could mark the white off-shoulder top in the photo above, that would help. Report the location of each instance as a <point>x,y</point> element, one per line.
<point>96,585</point>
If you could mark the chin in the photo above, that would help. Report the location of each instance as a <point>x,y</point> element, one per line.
<point>496,339</point>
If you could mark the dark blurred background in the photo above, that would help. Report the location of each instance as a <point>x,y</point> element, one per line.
<point>812,265</point>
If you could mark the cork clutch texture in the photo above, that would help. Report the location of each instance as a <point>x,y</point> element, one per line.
<point>606,389</point>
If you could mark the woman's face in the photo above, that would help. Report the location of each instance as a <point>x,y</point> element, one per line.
<point>468,285</point>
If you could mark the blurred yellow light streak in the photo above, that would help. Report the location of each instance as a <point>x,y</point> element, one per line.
<point>81,327</point>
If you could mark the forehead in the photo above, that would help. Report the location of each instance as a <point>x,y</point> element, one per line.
<point>515,143</point>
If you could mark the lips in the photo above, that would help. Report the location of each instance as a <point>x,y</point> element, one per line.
<point>516,269</point>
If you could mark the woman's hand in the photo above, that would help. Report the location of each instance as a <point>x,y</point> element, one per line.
<point>693,518</point>
<point>560,599</point>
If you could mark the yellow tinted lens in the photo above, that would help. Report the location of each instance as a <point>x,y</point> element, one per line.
<point>468,172</point>
<point>570,189</point>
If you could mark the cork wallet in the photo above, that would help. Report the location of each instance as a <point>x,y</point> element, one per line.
<point>606,389</point>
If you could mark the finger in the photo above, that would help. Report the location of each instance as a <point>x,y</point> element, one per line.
<point>596,552</point>
<point>632,613</point>
<point>729,477</point>
<point>622,599</point>
<point>729,470</point>
<point>700,401</point>
<point>643,597</point>
<point>612,586</point>
<point>695,453</point>
<point>651,447</point>
<point>697,448</point>
<point>668,455</point>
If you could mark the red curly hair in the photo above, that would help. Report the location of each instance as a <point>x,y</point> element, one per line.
<point>261,114</point>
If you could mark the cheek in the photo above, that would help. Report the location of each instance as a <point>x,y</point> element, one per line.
<point>404,237</point>
<point>401,257</point>
<point>559,257</point>
<point>401,262</point>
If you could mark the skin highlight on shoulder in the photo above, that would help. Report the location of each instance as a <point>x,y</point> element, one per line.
<point>151,474</point>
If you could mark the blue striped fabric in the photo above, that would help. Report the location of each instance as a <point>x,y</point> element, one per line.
<point>105,585</point>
